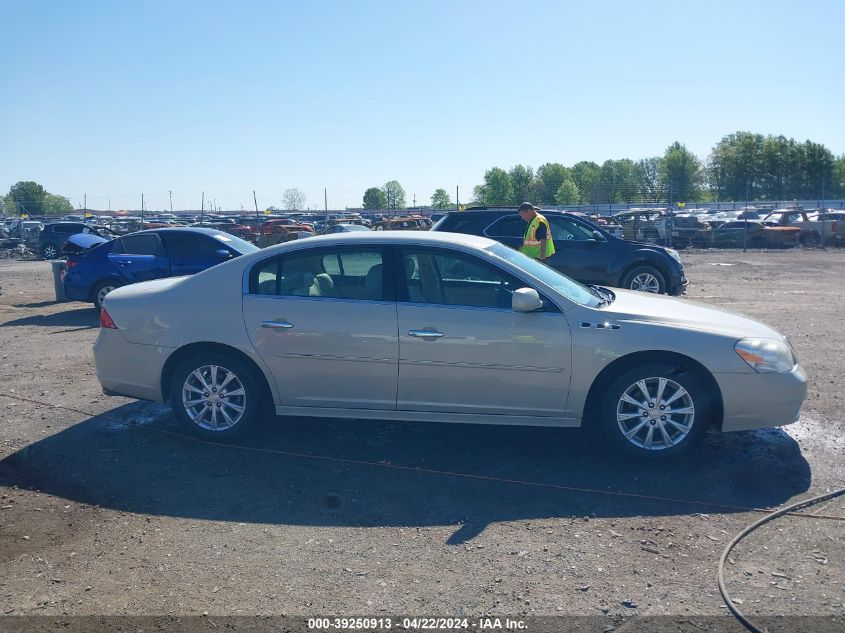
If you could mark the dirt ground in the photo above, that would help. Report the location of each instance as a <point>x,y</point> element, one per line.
<point>106,511</point>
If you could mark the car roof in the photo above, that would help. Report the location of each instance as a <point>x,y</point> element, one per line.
<point>181,229</point>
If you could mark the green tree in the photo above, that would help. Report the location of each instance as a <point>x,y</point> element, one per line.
<point>57,205</point>
<point>587,175</point>
<point>521,177</point>
<point>28,196</point>
<point>681,170</point>
<point>395,194</point>
<point>374,199</point>
<point>496,190</point>
<point>837,180</point>
<point>648,179</point>
<point>567,193</point>
<point>552,175</point>
<point>440,199</point>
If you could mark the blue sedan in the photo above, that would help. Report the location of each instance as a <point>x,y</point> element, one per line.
<point>147,255</point>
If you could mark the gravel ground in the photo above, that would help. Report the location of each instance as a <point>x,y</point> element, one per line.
<point>106,511</point>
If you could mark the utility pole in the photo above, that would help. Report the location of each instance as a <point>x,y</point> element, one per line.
<point>255,200</point>
<point>85,197</point>
<point>415,201</point>
<point>457,198</point>
<point>142,211</point>
<point>326,206</point>
<point>109,205</point>
<point>202,209</point>
<point>170,193</point>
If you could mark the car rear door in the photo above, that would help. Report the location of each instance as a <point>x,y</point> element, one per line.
<point>325,348</point>
<point>139,257</point>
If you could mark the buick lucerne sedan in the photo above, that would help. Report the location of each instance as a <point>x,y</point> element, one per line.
<point>439,327</point>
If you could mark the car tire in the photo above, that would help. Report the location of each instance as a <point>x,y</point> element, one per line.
<point>811,239</point>
<point>637,426</point>
<point>645,279</point>
<point>101,290</point>
<point>204,412</point>
<point>50,251</point>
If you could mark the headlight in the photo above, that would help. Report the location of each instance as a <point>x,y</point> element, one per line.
<point>673,254</point>
<point>765,355</point>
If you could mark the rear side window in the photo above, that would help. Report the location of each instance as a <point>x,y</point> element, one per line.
<point>190,245</point>
<point>139,244</point>
<point>509,226</point>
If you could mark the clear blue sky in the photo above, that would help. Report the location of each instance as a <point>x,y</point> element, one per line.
<point>117,98</point>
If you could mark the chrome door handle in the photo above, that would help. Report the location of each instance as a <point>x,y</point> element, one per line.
<point>277,325</point>
<point>425,333</point>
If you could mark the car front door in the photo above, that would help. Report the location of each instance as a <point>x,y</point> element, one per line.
<point>139,257</point>
<point>329,337</point>
<point>577,252</point>
<point>462,349</point>
<point>191,253</point>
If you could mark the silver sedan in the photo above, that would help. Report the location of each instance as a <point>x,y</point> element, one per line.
<point>439,327</point>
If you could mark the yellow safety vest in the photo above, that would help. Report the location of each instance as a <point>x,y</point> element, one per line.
<point>530,243</point>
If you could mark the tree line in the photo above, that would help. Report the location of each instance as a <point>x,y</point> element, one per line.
<point>28,197</point>
<point>742,166</point>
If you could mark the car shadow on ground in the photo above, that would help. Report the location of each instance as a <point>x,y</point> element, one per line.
<point>81,318</point>
<point>359,473</point>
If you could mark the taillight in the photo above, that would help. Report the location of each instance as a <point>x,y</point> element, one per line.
<point>71,263</point>
<point>106,320</point>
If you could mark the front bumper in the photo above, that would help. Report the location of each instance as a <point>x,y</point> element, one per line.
<point>755,401</point>
<point>129,369</point>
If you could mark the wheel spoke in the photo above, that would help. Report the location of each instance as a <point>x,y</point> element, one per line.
<point>635,430</point>
<point>680,393</point>
<point>684,411</point>
<point>202,413</point>
<point>683,429</point>
<point>661,387</point>
<point>649,438</point>
<point>192,388</point>
<point>214,416</point>
<point>636,403</point>
<point>628,416</point>
<point>644,389</point>
<point>667,441</point>
<point>229,377</point>
<point>230,421</point>
<point>201,378</point>
<point>236,407</point>
<point>193,403</point>
<point>213,372</point>
<point>236,392</point>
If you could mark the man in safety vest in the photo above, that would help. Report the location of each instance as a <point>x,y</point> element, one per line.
<point>537,243</point>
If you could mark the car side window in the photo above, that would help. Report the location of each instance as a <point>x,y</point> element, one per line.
<point>180,244</point>
<point>565,229</point>
<point>348,273</point>
<point>455,279</point>
<point>508,226</point>
<point>139,244</point>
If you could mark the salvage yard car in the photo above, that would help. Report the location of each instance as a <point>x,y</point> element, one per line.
<point>428,326</point>
<point>732,235</point>
<point>145,255</point>
<point>584,251</point>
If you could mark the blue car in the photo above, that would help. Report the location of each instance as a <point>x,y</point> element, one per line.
<point>146,255</point>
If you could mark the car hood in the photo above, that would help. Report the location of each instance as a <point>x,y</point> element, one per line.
<point>644,307</point>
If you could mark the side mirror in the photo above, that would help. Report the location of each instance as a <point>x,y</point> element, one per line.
<point>223,254</point>
<point>598,237</point>
<point>526,300</point>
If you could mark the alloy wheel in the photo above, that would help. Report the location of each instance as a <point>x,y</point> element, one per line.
<point>645,282</point>
<point>50,252</point>
<point>655,413</point>
<point>214,398</point>
<point>102,292</point>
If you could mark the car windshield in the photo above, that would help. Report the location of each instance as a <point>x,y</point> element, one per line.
<point>242,246</point>
<point>569,288</point>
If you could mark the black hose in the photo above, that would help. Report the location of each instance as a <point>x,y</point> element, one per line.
<point>748,530</point>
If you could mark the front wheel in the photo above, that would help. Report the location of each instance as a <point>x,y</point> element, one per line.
<point>655,411</point>
<point>216,396</point>
<point>645,279</point>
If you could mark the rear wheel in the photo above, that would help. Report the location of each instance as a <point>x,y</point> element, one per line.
<point>101,290</point>
<point>811,239</point>
<point>654,411</point>
<point>50,251</point>
<point>215,395</point>
<point>645,279</point>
